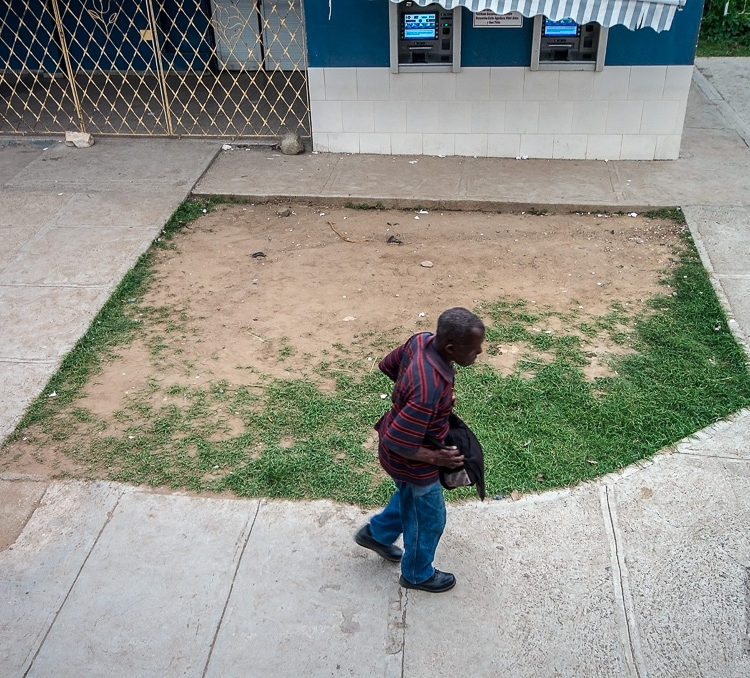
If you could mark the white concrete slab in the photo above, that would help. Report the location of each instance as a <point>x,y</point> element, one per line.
<point>737,291</point>
<point>537,594</point>
<point>53,256</point>
<point>725,233</point>
<point>20,384</point>
<point>728,438</point>
<point>111,208</point>
<point>18,499</point>
<point>143,165</point>
<point>683,533</point>
<point>266,173</point>
<point>12,238</point>
<point>150,597</point>
<point>308,601</point>
<point>29,208</point>
<point>44,323</point>
<point>39,569</point>
<point>15,155</point>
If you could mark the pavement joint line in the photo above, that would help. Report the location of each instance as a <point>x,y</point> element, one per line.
<point>746,641</point>
<point>72,286</point>
<point>403,644</point>
<point>28,361</point>
<point>634,658</point>
<point>714,96</point>
<point>110,513</point>
<point>716,279</point>
<point>245,542</point>
<point>694,453</point>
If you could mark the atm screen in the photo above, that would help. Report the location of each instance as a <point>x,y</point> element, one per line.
<point>565,28</point>
<point>420,26</point>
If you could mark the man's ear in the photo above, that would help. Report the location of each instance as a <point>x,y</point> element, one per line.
<point>448,349</point>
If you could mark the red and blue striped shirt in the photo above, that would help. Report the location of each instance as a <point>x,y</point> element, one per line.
<point>422,401</point>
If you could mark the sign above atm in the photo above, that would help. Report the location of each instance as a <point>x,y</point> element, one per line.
<point>634,14</point>
<point>488,19</point>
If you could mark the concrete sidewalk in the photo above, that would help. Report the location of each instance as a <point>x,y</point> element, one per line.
<point>644,573</point>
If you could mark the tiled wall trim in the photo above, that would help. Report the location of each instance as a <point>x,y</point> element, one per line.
<point>620,113</point>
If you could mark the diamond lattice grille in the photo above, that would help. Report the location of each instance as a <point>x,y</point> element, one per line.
<point>232,68</point>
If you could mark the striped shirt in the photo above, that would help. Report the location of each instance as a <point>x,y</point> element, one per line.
<point>422,401</point>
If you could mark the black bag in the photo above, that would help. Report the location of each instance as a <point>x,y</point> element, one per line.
<point>472,470</point>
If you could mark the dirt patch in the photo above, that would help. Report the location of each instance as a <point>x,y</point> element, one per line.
<point>247,294</point>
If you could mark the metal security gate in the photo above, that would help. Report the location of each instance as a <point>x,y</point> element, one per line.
<point>229,68</point>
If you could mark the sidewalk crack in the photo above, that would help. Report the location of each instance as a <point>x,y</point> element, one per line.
<point>107,520</point>
<point>746,640</point>
<point>621,586</point>
<point>242,545</point>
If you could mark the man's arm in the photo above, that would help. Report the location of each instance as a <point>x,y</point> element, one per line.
<point>390,364</point>
<point>406,433</point>
<point>449,457</point>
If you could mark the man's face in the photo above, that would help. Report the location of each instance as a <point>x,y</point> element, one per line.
<point>464,353</point>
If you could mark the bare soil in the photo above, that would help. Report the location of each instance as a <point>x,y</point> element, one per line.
<point>247,293</point>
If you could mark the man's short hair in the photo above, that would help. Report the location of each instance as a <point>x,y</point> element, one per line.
<point>458,324</point>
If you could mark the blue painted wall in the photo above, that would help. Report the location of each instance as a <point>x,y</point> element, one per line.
<point>357,35</point>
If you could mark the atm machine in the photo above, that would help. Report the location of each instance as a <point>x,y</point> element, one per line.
<point>425,38</point>
<point>566,45</point>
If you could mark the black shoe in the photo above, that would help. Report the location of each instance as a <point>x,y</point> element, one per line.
<point>364,538</point>
<point>437,583</point>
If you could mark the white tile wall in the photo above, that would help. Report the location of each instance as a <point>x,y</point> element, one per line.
<point>405,86</point>
<point>540,85</point>
<point>522,116</point>
<point>569,146</point>
<point>471,144</point>
<point>662,117</point>
<point>473,85</point>
<point>677,82</point>
<point>406,144</point>
<point>575,86</point>
<point>390,116</point>
<point>640,146</point>
<point>326,116</point>
<point>555,117</point>
<point>438,86</point>
<point>375,143</point>
<point>343,142</point>
<point>589,117</point>
<point>622,112</point>
<point>646,84</point>
<point>357,116</point>
<point>667,146</point>
<point>603,146</point>
<point>611,83</point>
<point>438,144</point>
<point>506,84</point>
<point>624,117</point>
<point>373,84</point>
<point>423,116</point>
<point>455,116</point>
<point>537,145</point>
<point>503,145</point>
<point>341,84</point>
<point>487,116</point>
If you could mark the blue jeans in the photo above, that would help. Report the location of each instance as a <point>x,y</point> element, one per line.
<point>418,512</point>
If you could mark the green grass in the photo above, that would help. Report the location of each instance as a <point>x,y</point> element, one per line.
<point>543,426</point>
<point>724,47</point>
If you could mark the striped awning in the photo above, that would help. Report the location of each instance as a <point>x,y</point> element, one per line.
<point>633,14</point>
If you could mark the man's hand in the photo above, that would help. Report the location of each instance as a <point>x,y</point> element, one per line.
<point>448,457</point>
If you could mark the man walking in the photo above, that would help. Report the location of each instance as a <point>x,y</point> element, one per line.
<point>422,398</point>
